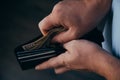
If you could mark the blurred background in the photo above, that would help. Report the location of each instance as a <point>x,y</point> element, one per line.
<point>18,24</point>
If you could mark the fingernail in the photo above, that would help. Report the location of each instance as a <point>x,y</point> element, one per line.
<point>37,68</point>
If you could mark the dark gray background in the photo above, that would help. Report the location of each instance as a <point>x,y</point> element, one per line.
<point>18,24</point>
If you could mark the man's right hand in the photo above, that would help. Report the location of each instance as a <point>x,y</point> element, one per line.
<point>77,16</point>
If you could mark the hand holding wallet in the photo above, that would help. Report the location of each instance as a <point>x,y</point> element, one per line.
<point>41,49</point>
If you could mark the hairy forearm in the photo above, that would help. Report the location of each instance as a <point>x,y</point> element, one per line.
<point>108,66</point>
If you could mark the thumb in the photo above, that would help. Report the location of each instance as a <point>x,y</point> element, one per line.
<point>46,24</point>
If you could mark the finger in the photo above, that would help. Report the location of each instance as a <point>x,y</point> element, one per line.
<point>52,63</point>
<point>71,44</point>
<point>46,24</point>
<point>65,36</point>
<point>48,64</point>
<point>61,70</point>
<point>68,45</point>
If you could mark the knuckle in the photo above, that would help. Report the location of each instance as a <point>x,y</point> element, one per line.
<point>58,5</point>
<point>40,24</point>
<point>62,59</point>
<point>61,40</point>
<point>58,9</point>
<point>68,66</point>
<point>75,41</point>
<point>50,65</point>
<point>51,61</point>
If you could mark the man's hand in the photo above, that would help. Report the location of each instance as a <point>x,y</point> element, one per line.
<point>79,55</point>
<point>77,16</point>
<point>84,55</point>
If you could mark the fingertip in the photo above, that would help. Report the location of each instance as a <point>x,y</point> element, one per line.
<point>42,26</point>
<point>37,68</point>
<point>45,25</point>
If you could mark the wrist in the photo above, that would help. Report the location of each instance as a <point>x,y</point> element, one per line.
<point>107,66</point>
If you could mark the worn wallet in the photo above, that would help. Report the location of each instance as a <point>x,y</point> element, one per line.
<point>41,49</point>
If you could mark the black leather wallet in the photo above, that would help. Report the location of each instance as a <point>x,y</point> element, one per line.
<point>30,58</point>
